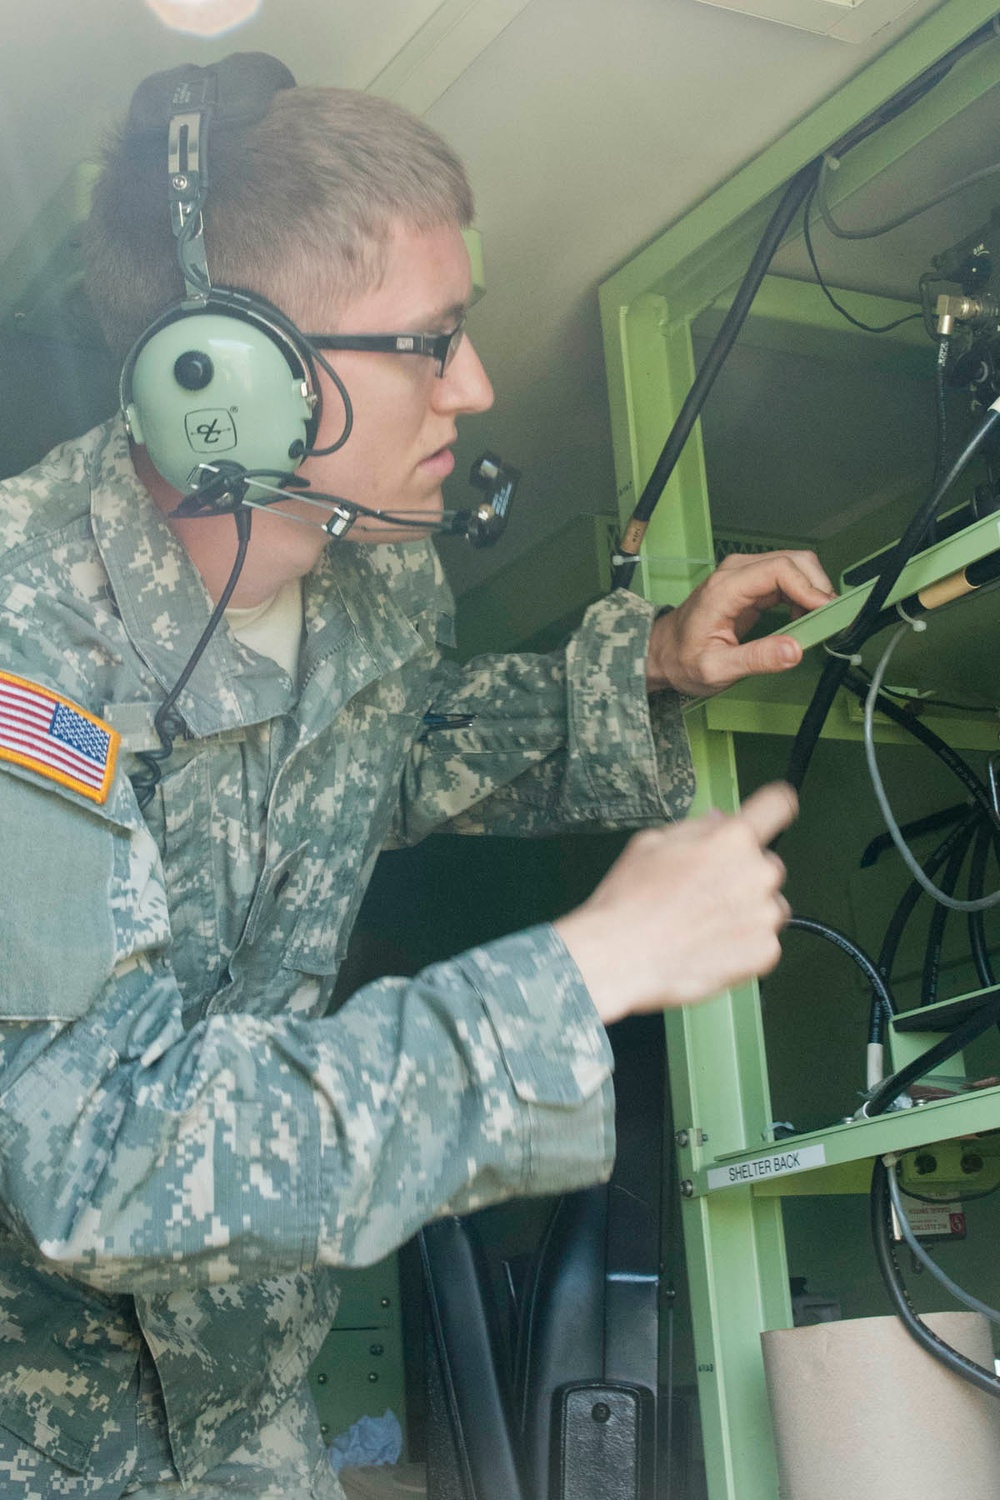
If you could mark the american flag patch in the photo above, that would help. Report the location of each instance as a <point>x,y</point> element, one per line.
<point>54,737</point>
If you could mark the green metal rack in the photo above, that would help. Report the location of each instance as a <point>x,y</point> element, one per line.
<point>733,1173</point>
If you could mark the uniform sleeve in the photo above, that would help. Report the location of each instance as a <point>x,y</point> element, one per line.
<point>528,745</point>
<point>142,1157</point>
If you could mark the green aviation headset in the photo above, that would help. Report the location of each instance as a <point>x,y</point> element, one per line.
<point>221,388</point>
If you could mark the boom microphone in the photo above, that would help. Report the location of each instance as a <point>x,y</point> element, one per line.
<point>221,489</point>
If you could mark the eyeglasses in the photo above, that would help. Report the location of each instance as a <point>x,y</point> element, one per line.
<point>440,347</point>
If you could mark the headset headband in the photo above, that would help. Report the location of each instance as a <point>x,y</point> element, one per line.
<point>238,90</point>
<point>189,101</point>
<point>221,372</point>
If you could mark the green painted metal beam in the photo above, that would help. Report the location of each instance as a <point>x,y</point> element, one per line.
<point>853,1141</point>
<point>757,715</point>
<point>738,1276</point>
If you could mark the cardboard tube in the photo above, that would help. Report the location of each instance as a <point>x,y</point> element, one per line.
<point>860,1410</point>
<point>945,590</point>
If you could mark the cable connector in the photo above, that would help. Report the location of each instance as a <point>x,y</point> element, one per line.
<point>976,312</point>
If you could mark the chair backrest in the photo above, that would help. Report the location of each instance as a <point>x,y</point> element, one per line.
<point>471,1426</point>
<point>575,1417</point>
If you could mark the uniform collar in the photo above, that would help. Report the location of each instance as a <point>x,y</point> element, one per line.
<point>355,630</point>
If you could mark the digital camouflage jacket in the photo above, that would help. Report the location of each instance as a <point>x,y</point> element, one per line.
<point>189,1147</point>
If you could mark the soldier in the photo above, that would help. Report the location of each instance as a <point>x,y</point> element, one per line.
<point>209,732</point>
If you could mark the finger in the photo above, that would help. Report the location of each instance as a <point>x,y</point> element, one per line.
<point>809,565</point>
<point>798,586</point>
<point>802,561</point>
<point>789,577</point>
<point>778,871</point>
<point>769,810</point>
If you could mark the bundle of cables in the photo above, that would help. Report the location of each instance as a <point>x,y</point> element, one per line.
<point>975,829</point>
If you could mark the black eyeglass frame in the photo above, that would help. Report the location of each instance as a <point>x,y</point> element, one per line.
<point>440,347</point>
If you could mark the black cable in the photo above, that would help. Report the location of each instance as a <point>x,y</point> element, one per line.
<point>875,231</point>
<point>788,206</point>
<point>166,723</point>
<point>912,92</point>
<point>884,803</point>
<point>812,721</point>
<point>910,897</point>
<point>882,842</point>
<point>934,701</point>
<point>904,910</point>
<point>977,924</point>
<point>931,976</point>
<point>941,407</point>
<point>940,424</point>
<point>885,1255</point>
<point>856,683</point>
<point>824,288</point>
<point>881,994</point>
<point>913,892</point>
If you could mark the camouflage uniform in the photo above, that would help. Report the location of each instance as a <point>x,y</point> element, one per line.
<point>188,1151</point>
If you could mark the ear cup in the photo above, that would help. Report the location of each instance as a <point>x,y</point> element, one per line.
<point>201,386</point>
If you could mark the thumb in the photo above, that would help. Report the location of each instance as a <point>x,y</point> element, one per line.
<point>769,810</point>
<point>772,653</point>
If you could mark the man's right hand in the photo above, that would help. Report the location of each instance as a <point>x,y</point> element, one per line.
<point>686,910</point>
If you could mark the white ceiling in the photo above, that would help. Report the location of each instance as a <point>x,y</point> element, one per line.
<point>588,126</point>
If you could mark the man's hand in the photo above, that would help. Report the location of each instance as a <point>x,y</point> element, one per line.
<point>697,649</point>
<point>685,911</point>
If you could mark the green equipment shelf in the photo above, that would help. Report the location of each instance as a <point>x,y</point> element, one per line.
<point>654,310</point>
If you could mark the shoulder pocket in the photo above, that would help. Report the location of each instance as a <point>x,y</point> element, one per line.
<point>57,936</point>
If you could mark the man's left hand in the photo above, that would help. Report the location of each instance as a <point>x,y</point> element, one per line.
<point>698,647</point>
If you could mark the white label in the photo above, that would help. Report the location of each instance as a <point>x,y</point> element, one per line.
<point>781,1164</point>
<point>934,1220</point>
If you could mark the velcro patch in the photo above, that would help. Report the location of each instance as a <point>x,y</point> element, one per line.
<point>48,734</point>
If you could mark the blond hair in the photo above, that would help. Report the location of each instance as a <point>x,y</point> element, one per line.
<point>300,208</point>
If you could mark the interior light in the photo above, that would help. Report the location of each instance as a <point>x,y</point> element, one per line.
<point>204,17</point>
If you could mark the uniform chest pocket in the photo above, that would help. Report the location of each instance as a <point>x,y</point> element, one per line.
<point>355,780</point>
<point>208,818</point>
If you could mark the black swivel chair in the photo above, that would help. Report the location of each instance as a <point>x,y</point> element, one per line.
<point>573,1416</point>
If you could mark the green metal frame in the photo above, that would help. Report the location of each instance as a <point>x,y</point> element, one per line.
<point>733,1235</point>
